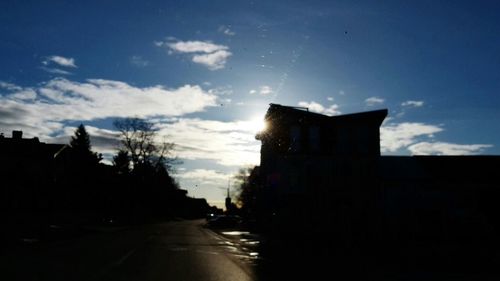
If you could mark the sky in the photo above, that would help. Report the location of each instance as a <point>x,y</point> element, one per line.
<point>205,72</point>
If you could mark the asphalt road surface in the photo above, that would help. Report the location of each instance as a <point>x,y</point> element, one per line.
<point>179,250</point>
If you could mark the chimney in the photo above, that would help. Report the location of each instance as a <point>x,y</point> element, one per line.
<point>17,135</point>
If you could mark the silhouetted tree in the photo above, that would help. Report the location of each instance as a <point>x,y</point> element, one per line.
<point>121,161</point>
<point>83,174</point>
<point>80,144</point>
<point>149,182</point>
<point>139,140</point>
<point>248,189</point>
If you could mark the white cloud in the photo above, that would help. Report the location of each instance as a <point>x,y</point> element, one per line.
<point>159,43</point>
<point>9,86</point>
<point>226,30</point>
<point>102,140</point>
<point>41,110</point>
<point>444,148</point>
<point>205,183</point>
<point>55,70</point>
<point>139,61</point>
<point>265,90</point>
<point>332,110</point>
<point>25,94</point>
<point>413,103</point>
<point>205,176</point>
<point>195,47</point>
<point>222,90</point>
<point>318,108</point>
<point>211,55</point>
<point>252,92</point>
<point>231,143</point>
<point>329,98</point>
<point>394,137</point>
<point>372,101</point>
<point>397,136</point>
<point>62,61</point>
<point>214,61</point>
<point>342,93</point>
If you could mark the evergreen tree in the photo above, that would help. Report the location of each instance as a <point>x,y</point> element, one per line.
<point>80,143</point>
<point>121,161</point>
<point>81,140</point>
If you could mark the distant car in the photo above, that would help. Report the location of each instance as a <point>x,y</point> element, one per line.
<point>224,221</point>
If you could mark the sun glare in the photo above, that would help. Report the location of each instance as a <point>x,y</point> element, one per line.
<point>257,124</point>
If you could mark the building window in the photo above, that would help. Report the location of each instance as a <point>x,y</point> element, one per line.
<point>295,138</point>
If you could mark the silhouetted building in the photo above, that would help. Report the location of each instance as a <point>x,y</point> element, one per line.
<point>301,147</point>
<point>327,174</point>
<point>29,169</point>
<point>309,160</point>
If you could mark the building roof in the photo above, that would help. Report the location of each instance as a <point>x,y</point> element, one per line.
<point>32,147</point>
<point>278,111</point>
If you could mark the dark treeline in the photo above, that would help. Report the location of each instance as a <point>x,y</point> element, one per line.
<point>50,184</point>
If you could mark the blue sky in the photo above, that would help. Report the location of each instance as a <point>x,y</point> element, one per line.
<point>205,72</point>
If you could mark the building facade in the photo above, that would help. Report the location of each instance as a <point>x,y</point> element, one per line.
<point>326,174</point>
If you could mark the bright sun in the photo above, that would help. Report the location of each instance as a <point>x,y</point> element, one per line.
<point>256,124</point>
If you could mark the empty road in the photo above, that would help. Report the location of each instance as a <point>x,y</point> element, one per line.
<point>179,250</point>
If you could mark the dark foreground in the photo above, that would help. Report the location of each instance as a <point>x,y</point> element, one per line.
<point>181,250</point>
<point>187,250</point>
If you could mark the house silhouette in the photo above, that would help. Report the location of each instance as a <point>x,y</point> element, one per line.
<point>29,169</point>
<point>325,175</point>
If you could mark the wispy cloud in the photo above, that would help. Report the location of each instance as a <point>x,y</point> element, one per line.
<point>226,90</point>
<point>415,138</point>
<point>138,61</point>
<point>372,101</point>
<point>42,109</point>
<point>444,148</point>
<point>195,47</point>
<point>103,140</point>
<point>203,182</point>
<point>231,143</point>
<point>214,61</point>
<point>206,53</point>
<point>412,103</point>
<point>61,61</point>
<point>55,70</point>
<point>205,177</point>
<point>318,108</point>
<point>9,86</point>
<point>226,30</point>
<point>398,136</point>
<point>265,90</point>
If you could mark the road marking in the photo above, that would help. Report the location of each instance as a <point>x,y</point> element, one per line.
<point>129,253</point>
<point>122,259</point>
